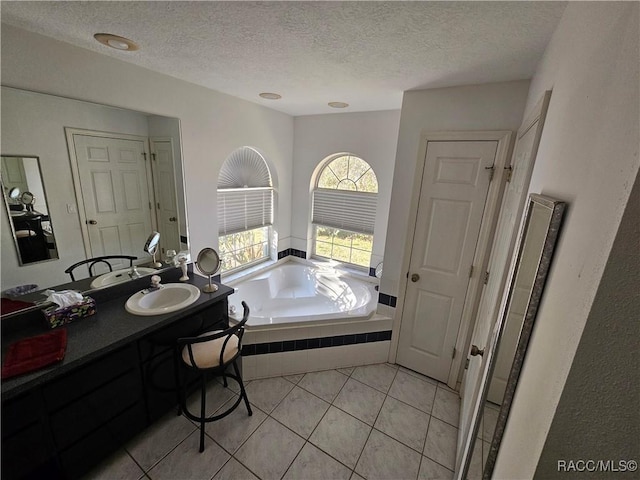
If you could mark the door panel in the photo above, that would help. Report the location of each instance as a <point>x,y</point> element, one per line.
<point>165,191</point>
<point>449,222</point>
<point>454,189</point>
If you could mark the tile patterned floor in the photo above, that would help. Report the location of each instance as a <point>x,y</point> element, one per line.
<point>372,422</point>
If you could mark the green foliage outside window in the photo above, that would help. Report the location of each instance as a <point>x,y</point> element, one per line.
<point>243,248</point>
<point>344,246</point>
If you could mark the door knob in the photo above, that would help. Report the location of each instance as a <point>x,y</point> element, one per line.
<point>92,222</point>
<point>415,277</point>
<point>172,219</point>
<point>476,351</point>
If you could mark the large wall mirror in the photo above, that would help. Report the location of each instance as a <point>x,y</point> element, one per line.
<point>108,178</point>
<point>26,204</point>
<point>509,338</point>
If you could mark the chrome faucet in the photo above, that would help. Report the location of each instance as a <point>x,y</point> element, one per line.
<point>155,284</point>
<point>133,273</point>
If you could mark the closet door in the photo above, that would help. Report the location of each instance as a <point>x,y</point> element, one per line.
<point>509,219</point>
<point>455,186</point>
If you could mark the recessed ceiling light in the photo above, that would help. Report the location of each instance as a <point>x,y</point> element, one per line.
<point>271,96</point>
<point>338,104</point>
<point>114,41</point>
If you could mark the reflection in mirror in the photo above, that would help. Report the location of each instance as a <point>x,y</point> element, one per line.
<point>151,247</point>
<point>208,263</point>
<point>379,270</point>
<point>26,205</point>
<point>510,336</point>
<point>87,153</point>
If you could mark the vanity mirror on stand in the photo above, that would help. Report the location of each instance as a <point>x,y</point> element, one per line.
<point>151,247</point>
<point>508,340</point>
<point>208,263</point>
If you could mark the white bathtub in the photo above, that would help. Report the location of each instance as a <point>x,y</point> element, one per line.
<point>298,293</point>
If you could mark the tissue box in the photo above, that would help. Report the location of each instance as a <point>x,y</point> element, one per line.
<point>57,317</point>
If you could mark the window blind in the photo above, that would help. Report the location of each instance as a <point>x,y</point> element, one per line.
<point>242,209</point>
<point>348,210</point>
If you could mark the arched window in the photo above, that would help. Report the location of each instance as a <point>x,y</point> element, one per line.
<point>344,210</point>
<point>245,209</point>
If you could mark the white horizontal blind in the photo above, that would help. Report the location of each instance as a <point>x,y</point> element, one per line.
<point>242,209</point>
<point>345,209</point>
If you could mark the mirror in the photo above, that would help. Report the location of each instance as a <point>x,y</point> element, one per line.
<point>31,225</point>
<point>87,197</point>
<point>379,270</point>
<point>208,263</point>
<point>509,338</point>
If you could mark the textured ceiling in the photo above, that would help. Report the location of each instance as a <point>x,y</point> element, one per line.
<point>362,53</point>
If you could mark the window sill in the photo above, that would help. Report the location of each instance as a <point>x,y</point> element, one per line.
<point>248,272</point>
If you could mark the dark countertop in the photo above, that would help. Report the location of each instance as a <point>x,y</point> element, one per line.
<point>110,328</point>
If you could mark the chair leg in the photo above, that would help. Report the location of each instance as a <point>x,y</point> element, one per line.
<point>176,376</point>
<point>243,393</point>
<point>203,401</point>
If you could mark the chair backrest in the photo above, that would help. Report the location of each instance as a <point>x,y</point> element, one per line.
<point>237,329</point>
<point>93,261</point>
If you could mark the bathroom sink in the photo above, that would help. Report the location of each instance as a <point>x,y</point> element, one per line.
<point>169,298</point>
<point>118,276</point>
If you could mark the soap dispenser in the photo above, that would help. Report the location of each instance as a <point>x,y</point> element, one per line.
<point>182,263</point>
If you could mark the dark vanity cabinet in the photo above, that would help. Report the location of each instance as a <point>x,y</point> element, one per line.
<point>27,445</point>
<point>64,426</point>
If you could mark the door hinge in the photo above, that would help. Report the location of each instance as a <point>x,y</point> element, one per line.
<point>466,364</point>
<point>144,154</point>
<point>491,170</point>
<point>158,205</point>
<point>471,271</point>
<point>453,354</point>
<point>509,170</point>
<point>486,278</point>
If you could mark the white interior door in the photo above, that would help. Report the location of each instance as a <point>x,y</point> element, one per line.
<point>165,191</point>
<point>454,189</point>
<point>114,181</point>
<point>507,228</point>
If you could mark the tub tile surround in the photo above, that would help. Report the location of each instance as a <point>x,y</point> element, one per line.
<point>303,426</point>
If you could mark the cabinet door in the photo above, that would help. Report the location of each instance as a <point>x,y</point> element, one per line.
<point>95,409</point>
<point>27,449</point>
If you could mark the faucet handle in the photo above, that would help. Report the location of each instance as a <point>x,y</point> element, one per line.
<point>155,281</point>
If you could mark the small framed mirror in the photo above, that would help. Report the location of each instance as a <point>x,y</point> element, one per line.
<point>26,204</point>
<point>379,270</point>
<point>208,263</point>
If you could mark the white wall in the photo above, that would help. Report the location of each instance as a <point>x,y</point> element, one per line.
<point>588,156</point>
<point>495,106</point>
<point>371,136</point>
<point>212,124</point>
